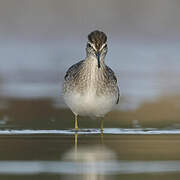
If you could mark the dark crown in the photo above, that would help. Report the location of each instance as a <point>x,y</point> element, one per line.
<point>98,38</point>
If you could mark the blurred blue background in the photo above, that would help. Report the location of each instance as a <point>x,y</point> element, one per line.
<point>40,39</point>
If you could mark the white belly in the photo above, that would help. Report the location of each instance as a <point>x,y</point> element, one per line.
<point>90,104</point>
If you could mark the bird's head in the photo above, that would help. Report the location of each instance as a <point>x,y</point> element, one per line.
<point>96,46</point>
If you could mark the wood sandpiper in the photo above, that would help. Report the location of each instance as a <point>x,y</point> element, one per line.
<point>90,86</point>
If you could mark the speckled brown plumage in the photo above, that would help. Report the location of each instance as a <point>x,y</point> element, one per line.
<point>78,78</point>
<point>97,38</point>
<point>90,89</point>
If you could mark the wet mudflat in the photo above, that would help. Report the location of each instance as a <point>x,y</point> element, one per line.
<point>89,155</point>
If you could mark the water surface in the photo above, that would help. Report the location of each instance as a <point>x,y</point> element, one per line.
<point>65,154</point>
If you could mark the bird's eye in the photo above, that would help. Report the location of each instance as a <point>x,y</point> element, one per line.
<point>88,45</point>
<point>105,46</point>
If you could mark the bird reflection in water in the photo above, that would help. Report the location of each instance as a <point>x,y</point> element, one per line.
<point>76,140</point>
<point>91,162</point>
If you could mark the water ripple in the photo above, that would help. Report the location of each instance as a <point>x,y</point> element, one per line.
<point>115,131</point>
<point>111,167</point>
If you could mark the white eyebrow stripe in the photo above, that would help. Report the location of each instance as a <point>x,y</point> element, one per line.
<point>95,47</point>
<point>92,45</point>
<point>102,46</point>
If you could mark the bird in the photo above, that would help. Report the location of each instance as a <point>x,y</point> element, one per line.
<point>90,87</point>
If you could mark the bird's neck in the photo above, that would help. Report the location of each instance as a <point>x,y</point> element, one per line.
<point>92,73</point>
<point>92,62</point>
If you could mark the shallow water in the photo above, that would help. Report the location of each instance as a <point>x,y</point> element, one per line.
<point>65,154</point>
<point>110,131</point>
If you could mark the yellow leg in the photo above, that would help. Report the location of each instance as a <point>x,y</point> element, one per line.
<point>76,123</point>
<point>101,125</point>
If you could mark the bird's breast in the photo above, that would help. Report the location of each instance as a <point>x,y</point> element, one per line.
<point>89,104</point>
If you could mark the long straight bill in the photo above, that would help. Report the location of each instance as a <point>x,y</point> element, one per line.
<point>98,59</point>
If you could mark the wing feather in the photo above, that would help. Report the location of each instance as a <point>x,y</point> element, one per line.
<point>72,70</point>
<point>113,77</point>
